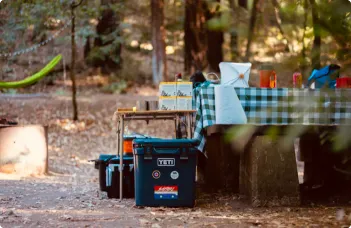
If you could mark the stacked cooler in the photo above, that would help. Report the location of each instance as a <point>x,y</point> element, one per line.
<point>161,172</point>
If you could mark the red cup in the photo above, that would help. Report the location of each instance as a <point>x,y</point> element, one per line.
<point>343,82</point>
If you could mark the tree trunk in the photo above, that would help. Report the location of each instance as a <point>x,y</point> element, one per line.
<point>159,60</point>
<point>108,26</point>
<point>279,23</point>
<point>251,28</point>
<point>215,41</point>
<point>243,3</point>
<point>195,39</point>
<point>87,48</point>
<point>73,62</point>
<point>234,39</point>
<point>303,52</point>
<point>316,49</point>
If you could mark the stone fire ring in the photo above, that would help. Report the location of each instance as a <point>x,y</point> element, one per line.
<point>23,150</point>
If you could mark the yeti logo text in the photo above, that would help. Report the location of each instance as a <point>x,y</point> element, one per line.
<point>165,162</point>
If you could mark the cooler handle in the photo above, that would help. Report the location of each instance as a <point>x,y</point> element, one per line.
<point>148,151</point>
<point>184,151</point>
<point>131,166</point>
<point>166,150</point>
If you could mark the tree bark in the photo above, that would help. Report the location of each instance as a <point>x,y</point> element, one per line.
<point>303,51</point>
<point>316,49</point>
<point>234,39</point>
<point>215,41</point>
<point>251,28</point>
<point>73,62</point>
<point>108,24</point>
<point>195,39</point>
<point>159,60</point>
<point>243,3</point>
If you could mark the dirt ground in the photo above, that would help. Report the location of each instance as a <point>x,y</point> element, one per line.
<point>69,196</point>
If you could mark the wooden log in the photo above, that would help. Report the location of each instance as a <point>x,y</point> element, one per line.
<point>24,150</point>
<point>268,173</point>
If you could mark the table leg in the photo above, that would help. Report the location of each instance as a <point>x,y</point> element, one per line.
<point>176,121</point>
<point>121,133</point>
<point>188,125</point>
<point>118,131</point>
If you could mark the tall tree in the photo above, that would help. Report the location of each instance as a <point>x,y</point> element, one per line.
<point>215,40</point>
<point>108,42</point>
<point>303,63</point>
<point>195,38</point>
<point>234,38</point>
<point>279,23</point>
<point>243,3</point>
<point>73,59</point>
<point>251,27</point>
<point>159,59</point>
<point>316,49</point>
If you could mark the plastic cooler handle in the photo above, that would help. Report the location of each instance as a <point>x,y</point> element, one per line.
<point>184,151</point>
<point>162,150</point>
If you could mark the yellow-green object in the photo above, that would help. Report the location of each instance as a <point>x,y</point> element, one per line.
<point>34,78</point>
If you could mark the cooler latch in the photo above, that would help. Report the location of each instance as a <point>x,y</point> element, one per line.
<point>184,151</point>
<point>148,151</point>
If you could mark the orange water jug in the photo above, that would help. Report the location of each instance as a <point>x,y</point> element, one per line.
<point>268,77</point>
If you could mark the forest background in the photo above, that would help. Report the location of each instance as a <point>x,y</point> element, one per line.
<point>122,44</point>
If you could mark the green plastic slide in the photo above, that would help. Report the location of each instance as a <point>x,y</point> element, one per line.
<point>34,78</point>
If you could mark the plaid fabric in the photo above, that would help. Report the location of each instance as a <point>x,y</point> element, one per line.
<point>204,103</point>
<point>276,106</point>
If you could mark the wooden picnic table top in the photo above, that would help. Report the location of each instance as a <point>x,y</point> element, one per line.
<point>155,112</point>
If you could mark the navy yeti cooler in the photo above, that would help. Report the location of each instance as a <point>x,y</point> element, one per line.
<point>103,160</point>
<point>113,176</point>
<point>101,164</point>
<point>165,172</point>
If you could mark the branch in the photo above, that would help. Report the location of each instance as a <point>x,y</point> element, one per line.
<point>76,5</point>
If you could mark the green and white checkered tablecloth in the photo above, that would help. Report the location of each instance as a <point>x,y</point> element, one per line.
<point>279,106</point>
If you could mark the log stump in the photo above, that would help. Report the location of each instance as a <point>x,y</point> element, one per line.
<point>268,173</point>
<point>23,150</point>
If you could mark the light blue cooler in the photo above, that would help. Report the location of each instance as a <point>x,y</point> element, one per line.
<point>165,172</point>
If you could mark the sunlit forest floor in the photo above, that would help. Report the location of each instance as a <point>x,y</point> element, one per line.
<point>69,196</point>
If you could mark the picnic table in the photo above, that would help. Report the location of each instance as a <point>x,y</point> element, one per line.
<point>123,116</point>
<point>262,169</point>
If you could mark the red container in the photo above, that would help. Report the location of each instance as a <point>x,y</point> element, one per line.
<point>268,77</point>
<point>343,82</point>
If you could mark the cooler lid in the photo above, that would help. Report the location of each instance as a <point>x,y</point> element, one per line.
<point>165,146</point>
<point>135,136</point>
<point>116,159</point>
<point>106,157</point>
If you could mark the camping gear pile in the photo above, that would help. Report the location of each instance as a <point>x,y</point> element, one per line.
<point>156,172</point>
<point>161,172</point>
